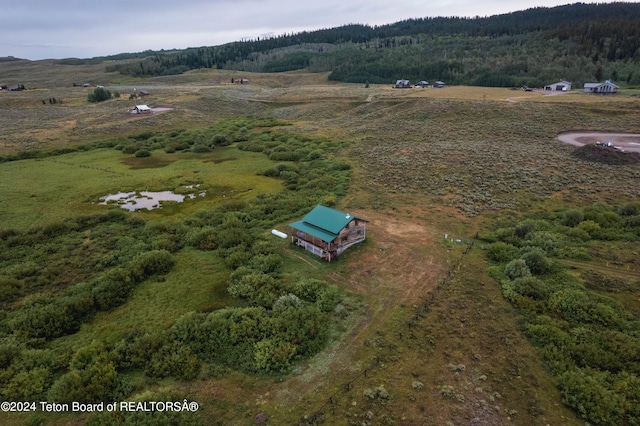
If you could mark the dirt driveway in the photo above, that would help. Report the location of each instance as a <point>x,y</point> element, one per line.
<point>629,142</point>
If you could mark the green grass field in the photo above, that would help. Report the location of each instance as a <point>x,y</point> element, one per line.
<point>197,284</point>
<point>422,333</point>
<point>41,191</point>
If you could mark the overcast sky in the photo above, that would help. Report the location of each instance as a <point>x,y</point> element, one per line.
<point>42,29</point>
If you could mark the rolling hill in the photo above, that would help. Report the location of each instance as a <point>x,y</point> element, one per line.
<point>577,42</point>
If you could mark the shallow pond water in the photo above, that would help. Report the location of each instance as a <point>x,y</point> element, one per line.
<point>147,200</point>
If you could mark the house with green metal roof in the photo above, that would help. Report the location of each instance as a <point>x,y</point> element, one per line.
<point>327,232</point>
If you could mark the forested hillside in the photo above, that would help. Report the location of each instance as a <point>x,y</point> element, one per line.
<point>578,42</point>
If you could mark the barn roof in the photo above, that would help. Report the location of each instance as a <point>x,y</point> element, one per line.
<point>593,85</point>
<point>324,223</point>
<point>566,83</point>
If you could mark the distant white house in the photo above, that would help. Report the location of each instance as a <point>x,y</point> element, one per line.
<point>601,88</point>
<point>561,86</point>
<point>142,109</point>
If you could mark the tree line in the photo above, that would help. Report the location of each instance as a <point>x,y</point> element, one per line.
<point>576,42</point>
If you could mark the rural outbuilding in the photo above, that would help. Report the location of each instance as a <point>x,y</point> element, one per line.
<point>605,88</point>
<point>561,86</point>
<point>327,232</point>
<point>142,109</point>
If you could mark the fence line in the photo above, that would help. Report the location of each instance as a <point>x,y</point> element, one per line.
<point>346,387</point>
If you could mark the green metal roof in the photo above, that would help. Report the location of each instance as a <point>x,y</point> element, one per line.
<point>312,230</point>
<point>324,223</point>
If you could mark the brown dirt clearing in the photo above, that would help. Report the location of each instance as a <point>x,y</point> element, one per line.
<point>629,142</point>
<point>404,259</point>
<point>402,262</point>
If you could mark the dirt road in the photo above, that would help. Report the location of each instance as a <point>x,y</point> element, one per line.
<point>629,142</point>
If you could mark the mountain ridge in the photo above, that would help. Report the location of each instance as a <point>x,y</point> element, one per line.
<point>579,42</point>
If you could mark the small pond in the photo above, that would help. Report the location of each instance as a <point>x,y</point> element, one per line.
<point>148,200</point>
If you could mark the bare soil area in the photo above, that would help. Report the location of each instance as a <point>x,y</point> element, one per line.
<point>629,142</point>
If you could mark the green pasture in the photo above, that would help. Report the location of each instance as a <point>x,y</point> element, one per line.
<point>413,312</point>
<point>198,283</point>
<point>173,292</point>
<point>37,192</point>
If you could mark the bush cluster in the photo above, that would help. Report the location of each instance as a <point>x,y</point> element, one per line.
<point>45,317</point>
<point>99,94</point>
<point>63,273</point>
<point>587,339</point>
<point>92,263</point>
<point>284,324</point>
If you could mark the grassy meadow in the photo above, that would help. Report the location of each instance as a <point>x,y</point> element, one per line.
<point>406,328</point>
<point>41,191</point>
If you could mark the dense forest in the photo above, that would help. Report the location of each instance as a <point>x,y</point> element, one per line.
<point>577,42</point>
